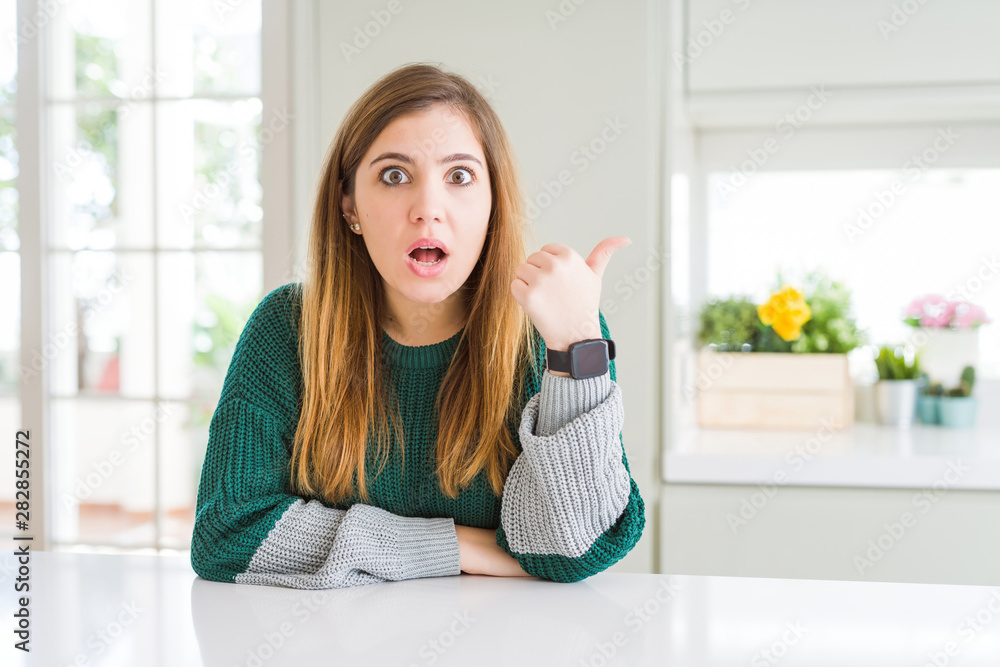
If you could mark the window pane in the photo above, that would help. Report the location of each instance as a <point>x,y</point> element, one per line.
<point>100,49</point>
<point>9,239</point>
<point>209,48</point>
<point>205,300</point>
<point>209,165</point>
<point>10,333</point>
<point>8,53</point>
<point>891,236</point>
<point>184,437</point>
<point>10,413</point>
<point>101,176</point>
<point>103,487</point>
<point>107,299</point>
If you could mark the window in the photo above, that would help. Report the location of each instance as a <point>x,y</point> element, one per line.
<point>152,247</point>
<point>890,235</point>
<point>10,259</point>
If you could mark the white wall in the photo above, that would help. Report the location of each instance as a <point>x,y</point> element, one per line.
<point>557,80</point>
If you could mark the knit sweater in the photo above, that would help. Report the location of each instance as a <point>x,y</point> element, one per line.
<point>569,507</point>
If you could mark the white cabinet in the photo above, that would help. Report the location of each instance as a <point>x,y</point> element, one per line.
<point>779,44</point>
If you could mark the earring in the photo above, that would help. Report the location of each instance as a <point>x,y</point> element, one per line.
<point>354,226</point>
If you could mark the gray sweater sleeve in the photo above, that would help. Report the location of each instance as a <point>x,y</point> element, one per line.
<point>315,546</point>
<point>250,529</point>
<point>569,484</point>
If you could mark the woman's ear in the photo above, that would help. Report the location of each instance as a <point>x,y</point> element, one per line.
<point>347,204</point>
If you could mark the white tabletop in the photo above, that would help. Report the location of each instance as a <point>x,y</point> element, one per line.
<point>91,609</point>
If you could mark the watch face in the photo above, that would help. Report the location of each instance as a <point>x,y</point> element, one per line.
<point>590,359</point>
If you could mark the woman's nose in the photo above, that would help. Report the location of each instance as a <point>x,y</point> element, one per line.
<point>428,202</point>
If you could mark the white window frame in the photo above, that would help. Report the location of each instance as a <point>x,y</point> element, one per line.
<point>31,123</point>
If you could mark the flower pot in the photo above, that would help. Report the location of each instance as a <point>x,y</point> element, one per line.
<point>897,401</point>
<point>778,390</point>
<point>929,409</point>
<point>958,411</point>
<point>945,352</point>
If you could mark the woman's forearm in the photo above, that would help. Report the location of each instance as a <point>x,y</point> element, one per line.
<point>480,554</point>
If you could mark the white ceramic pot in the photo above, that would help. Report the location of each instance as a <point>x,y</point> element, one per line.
<point>945,352</point>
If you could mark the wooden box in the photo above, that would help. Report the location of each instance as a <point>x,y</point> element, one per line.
<point>773,390</point>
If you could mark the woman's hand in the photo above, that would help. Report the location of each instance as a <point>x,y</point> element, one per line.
<point>560,291</point>
<point>479,553</point>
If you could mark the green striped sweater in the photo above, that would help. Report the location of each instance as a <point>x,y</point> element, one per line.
<point>569,508</point>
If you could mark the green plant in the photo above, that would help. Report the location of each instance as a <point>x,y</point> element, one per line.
<point>934,389</point>
<point>892,365</point>
<point>829,329</point>
<point>729,323</point>
<point>965,385</point>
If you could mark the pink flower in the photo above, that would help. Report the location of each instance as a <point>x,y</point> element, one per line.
<point>934,311</point>
<point>968,315</point>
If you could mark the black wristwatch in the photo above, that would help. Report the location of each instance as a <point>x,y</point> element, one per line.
<point>584,359</point>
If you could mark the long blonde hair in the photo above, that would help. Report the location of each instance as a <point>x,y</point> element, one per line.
<point>340,340</point>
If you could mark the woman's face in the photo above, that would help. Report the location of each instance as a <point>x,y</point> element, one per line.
<point>423,176</point>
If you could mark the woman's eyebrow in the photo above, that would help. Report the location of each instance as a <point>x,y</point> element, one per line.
<point>454,157</point>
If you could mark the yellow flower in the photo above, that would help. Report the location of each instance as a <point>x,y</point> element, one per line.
<point>786,311</point>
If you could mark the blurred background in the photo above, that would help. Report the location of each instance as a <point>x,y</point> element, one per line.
<point>812,191</point>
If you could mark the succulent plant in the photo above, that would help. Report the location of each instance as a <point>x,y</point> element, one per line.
<point>965,385</point>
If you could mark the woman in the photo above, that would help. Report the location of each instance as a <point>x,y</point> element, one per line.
<point>407,316</point>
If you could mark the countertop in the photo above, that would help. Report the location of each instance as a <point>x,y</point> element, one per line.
<point>97,609</point>
<point>864,455</point>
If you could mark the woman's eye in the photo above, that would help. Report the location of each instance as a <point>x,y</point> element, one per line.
<point>461,181</point>
<point>396,176</point>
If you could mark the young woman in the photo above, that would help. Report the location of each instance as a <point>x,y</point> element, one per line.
<point>420,310</point>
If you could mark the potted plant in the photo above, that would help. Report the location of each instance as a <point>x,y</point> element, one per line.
<point>958,405</point>
<point>729,325</point>
<point>929,402</point>
<point>946,334</point>
<point>897,386</point>
<point>778,364</point>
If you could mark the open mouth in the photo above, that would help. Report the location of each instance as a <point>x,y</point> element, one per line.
<point>427,256</point>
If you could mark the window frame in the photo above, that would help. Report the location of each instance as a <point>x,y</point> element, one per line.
<point>36,251</point>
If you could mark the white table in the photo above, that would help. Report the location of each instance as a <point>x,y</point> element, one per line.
<point>153,610</point>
